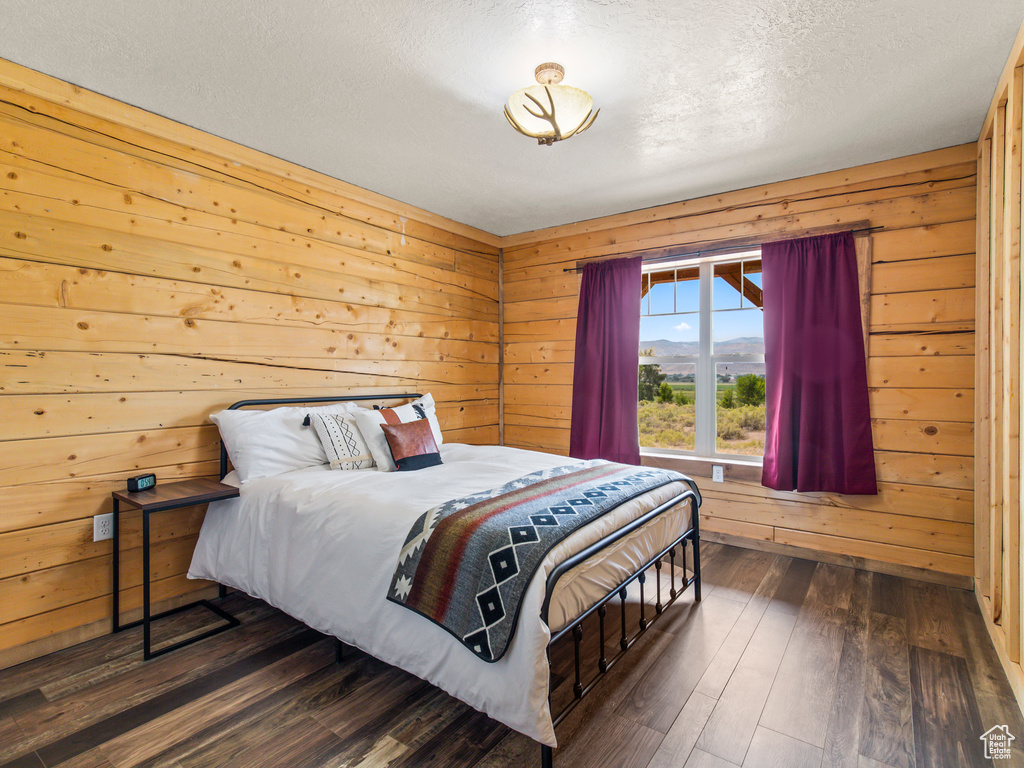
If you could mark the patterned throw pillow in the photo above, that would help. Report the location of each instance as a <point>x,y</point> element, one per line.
<point>412,445</point>
<point>369,423</point>
<point>342,441</point>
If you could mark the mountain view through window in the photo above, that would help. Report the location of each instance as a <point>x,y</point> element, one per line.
<point>701,364</point>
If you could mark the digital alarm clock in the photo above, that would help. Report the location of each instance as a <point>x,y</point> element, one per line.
<point>141,482</point>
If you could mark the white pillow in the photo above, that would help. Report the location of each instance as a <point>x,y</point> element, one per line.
<point>342,441</point>
<point>369,425</point>
<point>266,443</point>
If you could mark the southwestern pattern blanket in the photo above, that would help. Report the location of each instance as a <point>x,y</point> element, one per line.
<point>466,563</point>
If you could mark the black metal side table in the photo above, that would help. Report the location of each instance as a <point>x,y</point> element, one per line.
<point>185,493</point>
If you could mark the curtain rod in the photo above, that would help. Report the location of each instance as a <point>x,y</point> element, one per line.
<point>723,249</point>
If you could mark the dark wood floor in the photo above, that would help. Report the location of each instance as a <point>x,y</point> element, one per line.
<point>785,664</point>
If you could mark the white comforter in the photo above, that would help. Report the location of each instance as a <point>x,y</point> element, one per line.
<point>322,546</point>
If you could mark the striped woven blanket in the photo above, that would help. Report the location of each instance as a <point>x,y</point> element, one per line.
<point>466,563</point>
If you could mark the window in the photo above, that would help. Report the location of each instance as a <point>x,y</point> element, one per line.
<point>701,363</point>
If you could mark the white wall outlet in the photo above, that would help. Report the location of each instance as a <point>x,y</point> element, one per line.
<point>103,527</point>
<point>717,473</point>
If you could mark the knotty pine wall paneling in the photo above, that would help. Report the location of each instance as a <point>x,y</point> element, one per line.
<point>921,367</point>
<point>998,564</point>
<point>150,275</point>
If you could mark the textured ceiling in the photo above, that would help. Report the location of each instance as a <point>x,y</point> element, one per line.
<point>405,98</point>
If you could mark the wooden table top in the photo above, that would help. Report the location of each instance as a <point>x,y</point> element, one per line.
<point>177,494</point>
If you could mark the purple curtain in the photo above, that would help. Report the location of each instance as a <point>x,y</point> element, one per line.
<point>819,427</point>
<point>604,383</point>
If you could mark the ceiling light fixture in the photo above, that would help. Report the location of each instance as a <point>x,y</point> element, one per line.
<point>550,112</point>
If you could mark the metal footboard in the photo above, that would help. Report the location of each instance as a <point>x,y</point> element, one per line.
<point>692,535</point>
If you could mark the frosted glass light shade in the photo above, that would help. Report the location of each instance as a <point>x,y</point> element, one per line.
<point>550,113</point>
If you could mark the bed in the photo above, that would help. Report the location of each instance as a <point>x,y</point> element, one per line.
<point>321,545</point>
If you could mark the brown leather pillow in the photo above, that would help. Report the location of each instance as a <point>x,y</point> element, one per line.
<point>412,445</point>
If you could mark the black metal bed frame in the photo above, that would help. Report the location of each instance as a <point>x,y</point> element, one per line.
<point>601,606</point>
<point>575,626</point>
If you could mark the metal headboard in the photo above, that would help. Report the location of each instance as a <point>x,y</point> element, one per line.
<point>302,401</point>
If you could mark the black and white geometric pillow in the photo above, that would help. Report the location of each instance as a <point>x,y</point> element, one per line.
<point>342,441</point>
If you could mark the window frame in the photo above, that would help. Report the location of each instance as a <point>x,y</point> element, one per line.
<point>705,362</point>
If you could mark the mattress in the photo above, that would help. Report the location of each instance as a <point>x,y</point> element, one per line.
<point>322,545</point>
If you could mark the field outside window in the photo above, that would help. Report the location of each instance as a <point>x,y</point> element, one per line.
<point>701,362</point>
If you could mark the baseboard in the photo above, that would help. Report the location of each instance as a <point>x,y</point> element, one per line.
<point>876,566</point>
<point>61,640</point>
<point>1013,671</point>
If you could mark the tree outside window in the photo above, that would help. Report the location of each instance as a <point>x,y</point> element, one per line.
<point>701,362</point>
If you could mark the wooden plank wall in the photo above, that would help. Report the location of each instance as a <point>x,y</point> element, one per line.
<point>998,566</point>
<point>921,366</point>
<point>150,275</point>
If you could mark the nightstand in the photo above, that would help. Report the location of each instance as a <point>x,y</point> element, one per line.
<point>160,498</point>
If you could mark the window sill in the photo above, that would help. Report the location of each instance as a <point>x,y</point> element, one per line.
<point>698,466</point>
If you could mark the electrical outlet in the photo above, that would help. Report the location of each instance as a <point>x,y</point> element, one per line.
<point>717,473</point>
<point>103,527</point>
